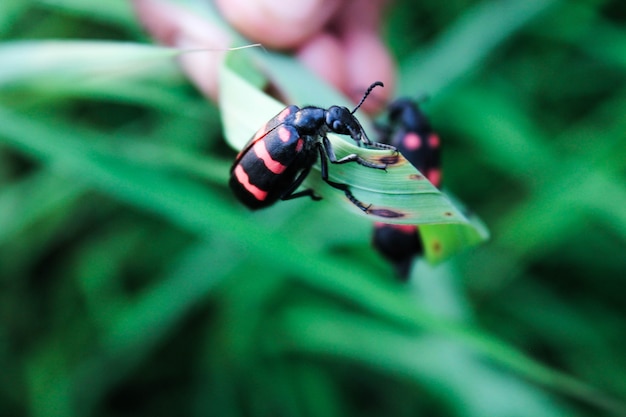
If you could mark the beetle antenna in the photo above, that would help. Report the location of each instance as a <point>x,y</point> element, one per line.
<point>369,90</point>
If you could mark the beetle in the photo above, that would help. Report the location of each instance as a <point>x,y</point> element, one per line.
<point>408,129</point>
<point>280,155</point>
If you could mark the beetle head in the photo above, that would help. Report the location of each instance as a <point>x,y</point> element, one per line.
<point>340,120</point>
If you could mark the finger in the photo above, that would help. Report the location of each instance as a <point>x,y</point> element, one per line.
<point>174,26</point>
<point>360,14</point>
<point>367,60</point>
<point>324,55</point>
<point>278,23</point>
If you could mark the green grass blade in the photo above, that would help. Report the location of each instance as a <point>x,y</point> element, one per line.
<point>25,202</point>
<point>330,333</point>
<point>81,61</point>
<point>466,44</point>
<point>117,71</point>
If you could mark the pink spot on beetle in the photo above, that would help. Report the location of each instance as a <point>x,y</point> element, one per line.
<point>284,134</point>
<point>412,141</point>
<point>299,145</point>
<point>433,140</point>
<point>434,176</point>
<point>283,114</point>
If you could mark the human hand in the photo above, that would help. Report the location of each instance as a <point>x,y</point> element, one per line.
<point>338,39</point>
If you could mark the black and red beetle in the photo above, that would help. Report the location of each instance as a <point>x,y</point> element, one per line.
<point>280,155</point>
<point>410,132</point>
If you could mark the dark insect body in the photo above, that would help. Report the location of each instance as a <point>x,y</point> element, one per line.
<point>410,132</point>
<point>280,155</point>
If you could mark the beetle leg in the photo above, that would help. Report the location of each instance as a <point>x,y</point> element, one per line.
<point>290,193</point>
<point>379,145</point>
<point>343,187</point>
<point>383,130</point>
<point>348,158</point>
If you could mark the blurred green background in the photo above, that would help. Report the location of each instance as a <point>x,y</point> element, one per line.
<point>132,283</point>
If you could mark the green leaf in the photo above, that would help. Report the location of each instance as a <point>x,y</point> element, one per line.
<point>83,61</point>
<point>400,194</point>
<point>118,71</point>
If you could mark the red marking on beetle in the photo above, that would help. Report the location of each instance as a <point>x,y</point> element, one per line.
<point>433,140</point>
<point>402,228</point>
<point>244,180</point>
<point>407,229</point>
<point>283,114</point>
<point>385,213</point>
<point>299,145</point>
<point>261,151</point>
<point>412,141</point>
<point>284,134</point>
<point>434,176</point>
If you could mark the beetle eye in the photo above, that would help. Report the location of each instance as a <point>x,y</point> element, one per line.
<point>337,125</point>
